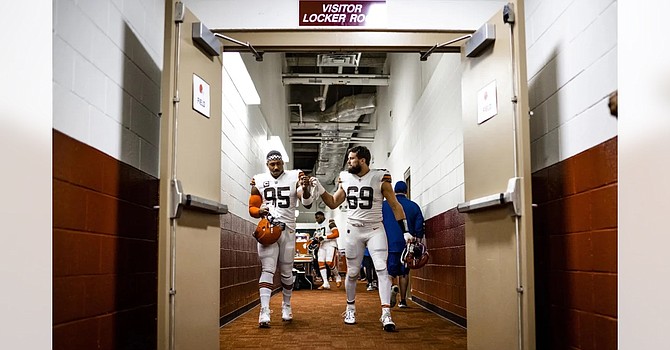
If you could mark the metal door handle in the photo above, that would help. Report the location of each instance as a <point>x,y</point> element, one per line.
<point>180,200</point>
<point>512,195</point>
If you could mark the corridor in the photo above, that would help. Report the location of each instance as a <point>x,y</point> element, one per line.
<point>317,324</point>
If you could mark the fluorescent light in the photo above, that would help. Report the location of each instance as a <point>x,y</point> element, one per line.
<point>275,144</point>
<point>376,16</point>
<point>233,64</point>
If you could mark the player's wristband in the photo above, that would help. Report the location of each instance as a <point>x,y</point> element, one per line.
<point>403,225</point>
<point>307,201</point>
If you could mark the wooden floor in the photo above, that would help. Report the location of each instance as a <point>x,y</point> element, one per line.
<point>318,324</point>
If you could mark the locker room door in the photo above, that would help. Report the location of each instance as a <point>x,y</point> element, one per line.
<point>498,224</point>
<point>190,187</point>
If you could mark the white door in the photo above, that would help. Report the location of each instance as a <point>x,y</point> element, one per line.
<point>499,236</point>
<point>189,230</point>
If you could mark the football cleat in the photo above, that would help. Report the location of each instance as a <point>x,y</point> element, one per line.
<point>349,316</point>
<point>387,322</point>
<point>286,313</point>
<point>394,295</point>
<point>264,318</point>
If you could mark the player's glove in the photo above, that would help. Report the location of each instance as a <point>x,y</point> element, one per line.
<point>276,222</point>
<point>408,237</point>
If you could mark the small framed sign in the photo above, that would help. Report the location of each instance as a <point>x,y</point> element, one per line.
<point>487,102</point>
<point>201,100</point>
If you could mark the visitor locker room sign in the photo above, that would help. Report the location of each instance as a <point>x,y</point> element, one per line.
<point>342,13</point>
<point>201,99</point>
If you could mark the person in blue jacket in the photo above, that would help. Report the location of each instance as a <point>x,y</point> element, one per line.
<point>397,240</point>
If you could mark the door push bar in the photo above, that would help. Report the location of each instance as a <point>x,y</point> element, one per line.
<point>512,195</point>
<point>180,200</point>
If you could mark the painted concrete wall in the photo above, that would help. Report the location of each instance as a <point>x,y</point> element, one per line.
<point>401,14</point>
<point>572,68</point>
<point>246,128</point>
<point>420,128</point>
<point>108,56</point>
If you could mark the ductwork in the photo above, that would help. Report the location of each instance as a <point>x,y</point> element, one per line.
<point>348,109</point>
<point>336,135</point>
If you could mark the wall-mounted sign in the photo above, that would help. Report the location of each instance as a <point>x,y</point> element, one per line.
<point>200,96</point>
<point>342,13</point>
<point>487,103</point>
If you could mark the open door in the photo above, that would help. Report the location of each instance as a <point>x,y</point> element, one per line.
<point>190,185</point>
<point>498,225</point>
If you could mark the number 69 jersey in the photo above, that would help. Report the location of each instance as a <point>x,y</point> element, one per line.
<point>364,195</point>
<point>279,194</point>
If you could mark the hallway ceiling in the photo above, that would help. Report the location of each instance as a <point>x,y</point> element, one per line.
<point>332,104</point>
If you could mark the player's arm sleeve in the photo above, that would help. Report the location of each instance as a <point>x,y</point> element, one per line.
<point>255,202</point>
<point>334,232</point>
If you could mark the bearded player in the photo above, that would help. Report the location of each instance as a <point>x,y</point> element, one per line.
<point>365,189</point>
<point>274,196</point>
<point>327,235</point>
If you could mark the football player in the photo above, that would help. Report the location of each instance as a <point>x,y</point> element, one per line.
<point>274,197</point>
<point>364,189</point>
<point>327,252</point>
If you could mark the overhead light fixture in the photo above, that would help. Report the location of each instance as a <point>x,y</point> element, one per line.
<point>237,70</point>
<point>275,144</point>
<point>336,79</point>
<point>338,60</point>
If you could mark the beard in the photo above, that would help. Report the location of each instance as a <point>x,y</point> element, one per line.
<point>354,169</point>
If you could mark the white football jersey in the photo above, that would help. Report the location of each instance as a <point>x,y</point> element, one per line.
<point>323,230</point>
<point>364,195</point>
<point>279,194</point>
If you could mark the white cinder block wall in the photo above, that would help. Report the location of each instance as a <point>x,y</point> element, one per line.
<point>245,131</point>
<point>107,61</point>
<point>572,68</point>
<point>419,118</point>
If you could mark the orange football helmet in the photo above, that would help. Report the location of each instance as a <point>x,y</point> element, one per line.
<point>266,233</point>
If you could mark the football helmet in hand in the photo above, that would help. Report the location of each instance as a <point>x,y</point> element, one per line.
<point>268,231</point>
<point>415,255</point>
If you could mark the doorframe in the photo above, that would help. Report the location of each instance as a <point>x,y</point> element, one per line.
<point>295,40</point>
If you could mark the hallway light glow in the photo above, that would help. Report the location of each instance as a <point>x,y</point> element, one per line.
<point>234,66</point>
<point>274,143</point>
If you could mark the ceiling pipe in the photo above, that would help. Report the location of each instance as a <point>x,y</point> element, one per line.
<point>322,99</point>
<point>299,105</point>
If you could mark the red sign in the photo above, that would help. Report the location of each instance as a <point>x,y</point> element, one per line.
<point>342,13</point>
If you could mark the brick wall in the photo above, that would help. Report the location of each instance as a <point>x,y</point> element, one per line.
<point>440,285</point>
<point>240,268</point>
<point>104,250</point>
<point>575,232</point>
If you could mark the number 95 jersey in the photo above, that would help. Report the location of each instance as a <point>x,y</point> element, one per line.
<point>364,195</point>
<point>279,194</point>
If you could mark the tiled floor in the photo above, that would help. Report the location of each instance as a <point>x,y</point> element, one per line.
<point>318,324</point>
